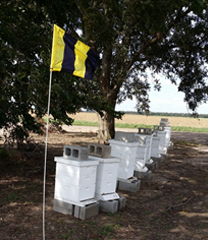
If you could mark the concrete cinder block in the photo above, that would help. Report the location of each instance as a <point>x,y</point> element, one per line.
<point>99,150</point>
<point>113,205</point>
<point>147,131</point>
<point>143,175</point>
<point>158,160</point>
<point>86,212</point>
<point>133,186</point>
<point>77,211</point>
<point>63,207</point>
<point>108,206</point>
<point>164,122</point>
<point>75,152</point>
<point>158,128</point>
<point>164,155</point>
<point>151,166</point>
<point>121,203</point>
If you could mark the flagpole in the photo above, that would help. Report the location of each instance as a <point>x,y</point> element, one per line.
<point>46,143</point>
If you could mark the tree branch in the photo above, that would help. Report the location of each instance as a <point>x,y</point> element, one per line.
<point>74,33</point>
<point>7,4</point>
<point>137,54</point>
<point>153,40</point>
<point>81,9</point>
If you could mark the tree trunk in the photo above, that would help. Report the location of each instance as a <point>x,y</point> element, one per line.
<point>106,127</point>
<point>110,90</point>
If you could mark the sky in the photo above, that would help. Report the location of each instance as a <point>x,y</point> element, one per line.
<point>168,99</point>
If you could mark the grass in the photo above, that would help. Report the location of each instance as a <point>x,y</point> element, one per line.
<point>136,126</point>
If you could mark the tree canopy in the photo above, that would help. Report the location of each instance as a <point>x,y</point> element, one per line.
<point>26,40</point>
<point>132,37</point>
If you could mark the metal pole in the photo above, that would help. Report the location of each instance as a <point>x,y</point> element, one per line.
<point>46,143</point>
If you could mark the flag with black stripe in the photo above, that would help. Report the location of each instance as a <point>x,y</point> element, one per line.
<point>72,56</point>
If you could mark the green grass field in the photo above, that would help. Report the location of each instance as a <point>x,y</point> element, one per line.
<point>136,126</point>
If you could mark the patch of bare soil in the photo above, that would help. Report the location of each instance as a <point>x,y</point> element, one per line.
<point>172,205</point>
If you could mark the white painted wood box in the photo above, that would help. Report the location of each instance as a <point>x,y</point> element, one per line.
<point>162,134</point>
<point>126,151</point>
<point>106,179</point>
<point>140,160</point>
<point>75,180</point>
<point>155,152</point>
<point>148,142</point>
<point>168,136</point>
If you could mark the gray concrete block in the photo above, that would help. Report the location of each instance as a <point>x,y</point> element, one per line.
<point>143,175</point>
<point>170,145</point>
<point>164,124</point>
<point>86,212</point>
<point>158,128</point>
<point>99,150</point>
<point>75,152</point>
<point>147,131</point>
<point>77,211</point>
<point>89,211</point>
<point>63,207</point>
<point>109,206</point>
<point>164,120</point>
<point>151,166</point>
<point>121,203</point>
<point>129,186</point>
<point>158,160</point>
<point>165,156</point>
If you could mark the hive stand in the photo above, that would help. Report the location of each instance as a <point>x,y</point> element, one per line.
<point>83,212</point>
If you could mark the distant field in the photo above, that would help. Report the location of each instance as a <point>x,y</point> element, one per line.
<point>147,120</point>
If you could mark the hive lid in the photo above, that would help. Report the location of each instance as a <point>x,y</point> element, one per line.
<point>105,160</point>
<point>82,163</point>
<point>124,136</point>
<point>120,143</point>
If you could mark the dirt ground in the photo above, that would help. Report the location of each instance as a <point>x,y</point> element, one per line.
<point>172,205</point>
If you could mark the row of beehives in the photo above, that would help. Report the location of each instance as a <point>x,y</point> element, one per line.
<point>147,145</point>
<point>88,175</point>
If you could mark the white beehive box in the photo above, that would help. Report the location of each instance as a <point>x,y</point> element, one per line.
<point>162,134</point>
<point>155,152</point>
<point>106,179</point>
<point>125,136</point>
<point>168,136</point>
<point>148,142</point>
<point>75,180</point>
<point>126,151</point>
<point>140,160</point>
